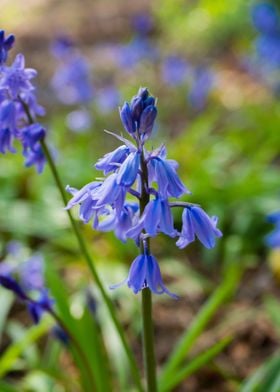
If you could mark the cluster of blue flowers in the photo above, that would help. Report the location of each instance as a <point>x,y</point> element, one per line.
<point>17,93</point>
<point>151,179</point>
<point>266,19</point>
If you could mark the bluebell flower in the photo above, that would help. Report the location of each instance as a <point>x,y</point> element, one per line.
<point>163,172</point>
<point>201,86</point>
<point>156,218</point>
<point>144,272</point>
<point>273,239</point>
<point>147,121</point>
<point>110,192</point>
<point>6,43</point>
<point>111,161</point>
<point>195,222</point>
<point>31,136</point>
<point>17,78</point>
<point>128,170</point>
<point>139,115</point>
<point>35,157</point>
<point>174,70</point>
<point>7,126</point>
<point>127,119</point>
<point>119,222</point>
<point>84,197</point>
<point>265,18</point>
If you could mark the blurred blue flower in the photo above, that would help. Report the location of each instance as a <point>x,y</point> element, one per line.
<point>108,99</point>
<point>16,78</point>
<point>195,222</point>
<point>72,81</point>
<point>79,120</point>
<point>202,84</point>
<point>6,43</point>
<point>139,49</point>
<point>273,239</point>
<point>174,70</point>
<point>265,18</point>
<point>62,46</point>
<point>16,97</point>
<point>142,23</point>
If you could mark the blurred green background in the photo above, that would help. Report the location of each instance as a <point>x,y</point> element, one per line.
<point>227,149</point>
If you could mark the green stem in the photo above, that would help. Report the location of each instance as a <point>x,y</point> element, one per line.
<point>148,330</point>
<point>89,260</point>
<point>148,341</point>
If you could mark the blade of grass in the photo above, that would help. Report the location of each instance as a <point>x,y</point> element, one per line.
<point>195,364</point>
<point>14,351</point>
<point>219,296</point>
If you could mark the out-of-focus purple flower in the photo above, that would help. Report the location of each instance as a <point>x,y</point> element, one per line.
<point>265,18</point>
<point>79,120</point>
<point>17,78</point>
<point>30,137</point>
<point>6,43</point>
<point>142,23</point>
<point>195,222</point>
<point>35,157</point>
<point>138,50</point>
<point>144,272</point>
<point>108,99</point>
<point>273,239</point>
<point>268,49</point>
<point>32,273</point>
<point>72,81</point>
<point>62,46</point>
<point>174,70</point>
<point>111,161</point>
<point>201,86</point>
<point>18,111</point>
<point>156,218</point>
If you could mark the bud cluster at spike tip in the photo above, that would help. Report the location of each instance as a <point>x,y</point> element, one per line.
<point>19,107</point>
<point>109,206</point>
